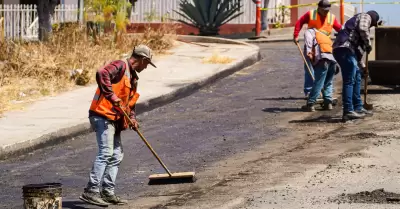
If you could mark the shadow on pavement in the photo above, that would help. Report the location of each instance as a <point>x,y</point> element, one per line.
<point>320,119</point>
<point>277,109</point>
<point>281,98</point>
<point>76,204</point>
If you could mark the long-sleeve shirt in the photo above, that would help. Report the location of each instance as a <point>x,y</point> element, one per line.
<point>112,74</point>
<point>306,18</point>
<point>310,42</point>
<point>359,38</point>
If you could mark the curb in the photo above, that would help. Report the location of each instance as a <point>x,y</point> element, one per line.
<point>204,39</point>
<point>66,134</point>
<point>277,40</point>
<point>272,40</point>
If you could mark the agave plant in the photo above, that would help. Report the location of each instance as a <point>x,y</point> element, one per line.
<point>208,15</point>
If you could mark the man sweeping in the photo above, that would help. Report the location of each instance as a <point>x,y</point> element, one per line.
<point>318,47</point>
<point>349,47</point>
<point>322,20</point>
<point>117,85</point>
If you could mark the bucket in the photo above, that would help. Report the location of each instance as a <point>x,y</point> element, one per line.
<point>42,196</point>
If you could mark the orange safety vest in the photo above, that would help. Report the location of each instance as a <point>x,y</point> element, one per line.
<point>123,90</point>
<point>315,22</point>
<point>324,41</point>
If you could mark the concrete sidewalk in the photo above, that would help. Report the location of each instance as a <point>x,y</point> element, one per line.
<point>54,119</point>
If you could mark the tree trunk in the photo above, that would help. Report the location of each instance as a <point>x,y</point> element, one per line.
<point>45,11</point>
<point>264,22</point>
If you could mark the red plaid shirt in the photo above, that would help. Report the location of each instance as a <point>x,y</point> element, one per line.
<point>112,74</point>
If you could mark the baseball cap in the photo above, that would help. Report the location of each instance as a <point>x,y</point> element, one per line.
<point>324,4</point>
<point>144,51</point>
<point>375,18</point>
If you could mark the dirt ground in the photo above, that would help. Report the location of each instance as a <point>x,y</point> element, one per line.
<point>323,164</point>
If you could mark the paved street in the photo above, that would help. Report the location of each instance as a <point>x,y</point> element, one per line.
<point>232,116</point>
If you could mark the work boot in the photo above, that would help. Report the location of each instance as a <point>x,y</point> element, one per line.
<point>93,198</point>
<point>352,116</point>
<point>308,108</point>
<point>366,112</point>
<point>113,199</point>
<point>328,106</point>
<point>306,95</point>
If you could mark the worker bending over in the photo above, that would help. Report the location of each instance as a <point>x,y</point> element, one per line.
<point>322,20</point>
<point>318,48</point>
<point>348,49</point>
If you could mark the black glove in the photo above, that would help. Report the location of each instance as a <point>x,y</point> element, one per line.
<point>368,49</point>
<point>337,69</point>
<point>296,40</point>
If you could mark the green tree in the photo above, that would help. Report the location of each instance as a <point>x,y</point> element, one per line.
<point>106,12</point>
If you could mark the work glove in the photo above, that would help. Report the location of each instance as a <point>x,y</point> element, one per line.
<point>117,102</point>
<point>337,69</point>
<point>296,40</point>
<point>368,49</point>
<point>117,106</point>
<point>135,124</point>
<point>311,56</point>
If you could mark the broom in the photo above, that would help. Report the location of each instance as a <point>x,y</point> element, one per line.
<point>167,178</point>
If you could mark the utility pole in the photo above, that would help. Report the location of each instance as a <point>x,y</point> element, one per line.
<point>362,6</point>
<point>341,12</point>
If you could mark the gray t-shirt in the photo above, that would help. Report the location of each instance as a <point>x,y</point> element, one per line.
<point>310,41</point>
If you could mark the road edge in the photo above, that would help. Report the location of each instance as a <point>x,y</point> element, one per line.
<point>70,133</point>
<point>277,40</point>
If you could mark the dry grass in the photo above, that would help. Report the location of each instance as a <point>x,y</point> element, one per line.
<point>32,70</point>
<point>216,58</point>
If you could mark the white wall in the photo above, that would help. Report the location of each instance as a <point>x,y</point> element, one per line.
<point>70,1</point>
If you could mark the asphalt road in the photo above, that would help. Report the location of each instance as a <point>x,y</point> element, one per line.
<point>231,116</point>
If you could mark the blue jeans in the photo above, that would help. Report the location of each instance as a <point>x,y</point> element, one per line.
<point>308,81</point>
<point>109,157</point>
<point>324,73</point>
<point>351,76</point>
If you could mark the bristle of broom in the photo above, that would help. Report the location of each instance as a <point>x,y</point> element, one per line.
<point>176,178</point>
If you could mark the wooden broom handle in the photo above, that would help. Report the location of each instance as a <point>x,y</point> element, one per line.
<point>148,145</point>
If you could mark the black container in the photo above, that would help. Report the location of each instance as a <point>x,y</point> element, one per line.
<point>384,72</point>
<point>47,195</point>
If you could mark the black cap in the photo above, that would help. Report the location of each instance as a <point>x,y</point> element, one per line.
<point>324,4</point>
<point>374,17</point>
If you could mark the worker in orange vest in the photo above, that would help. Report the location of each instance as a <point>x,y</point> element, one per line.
<point>117,89</point>
<point>319,51</point>
<point>322,20</point>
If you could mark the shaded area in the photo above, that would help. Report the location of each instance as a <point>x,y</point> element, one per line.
<point>76,204</point>
<point>319,119</point>
<point>282,98</point>
<point>278,110</point>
